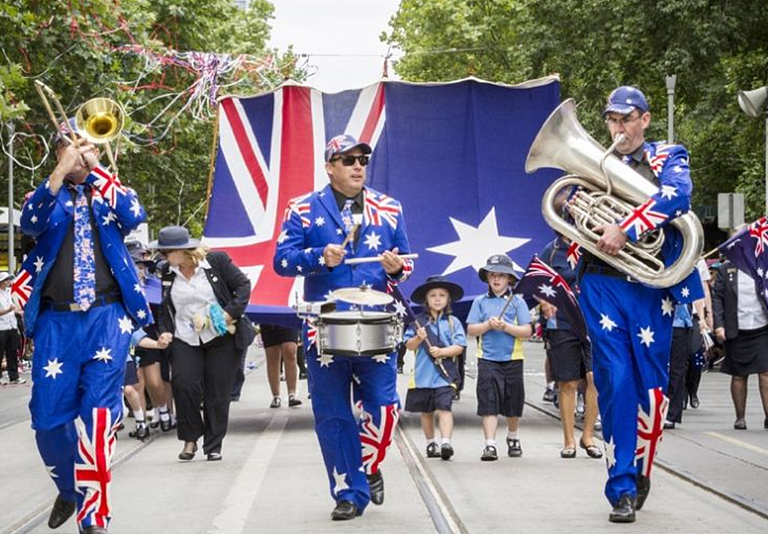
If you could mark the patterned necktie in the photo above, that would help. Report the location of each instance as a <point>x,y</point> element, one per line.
<point>84,273</point>
<point>346,215</point>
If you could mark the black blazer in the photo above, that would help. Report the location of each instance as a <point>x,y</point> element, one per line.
<point>725,301</point>
<point>231,288</point>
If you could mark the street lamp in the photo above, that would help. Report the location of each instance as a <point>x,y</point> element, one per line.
<point>751,103</point>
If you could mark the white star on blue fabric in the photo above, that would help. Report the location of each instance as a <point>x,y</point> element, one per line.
<point>53,369</point>
<point>475,245</point>
<point>668,191</point>
<point>321,260</point>
<point>399,308</point>
<point>141,314</point>
<point>646,336</point>
<point>108,218</point>
<point>319,221</point>
<point>51,469</point>
<point>284,263</point>
<point>33,219</point>
<point>125,324</point>
<point>547,290</point>
<point>325,360</point>
<point>282,237</point>
<point>137,288</point>
<point>667,307</point>
<point>373,241</point>
<point>299,268</point>
<point>610,453</point>
<point>381,358</point>
<point>607,323</point>
<point>103,355</point>
<point>136,207</point>
<point>39,264</point>
<point>685,292</point>
<point>339,231</point>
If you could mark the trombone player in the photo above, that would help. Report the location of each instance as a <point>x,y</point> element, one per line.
<point>630,324</point>
<point>82,308</point>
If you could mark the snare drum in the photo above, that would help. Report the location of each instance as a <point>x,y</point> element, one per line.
<point>358,333</point>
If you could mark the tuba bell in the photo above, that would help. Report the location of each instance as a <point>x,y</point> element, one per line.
<point>607,191</point>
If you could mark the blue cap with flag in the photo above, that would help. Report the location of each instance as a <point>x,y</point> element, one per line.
<point>65,129</point>
<point>625,100</point>
<point>344,143</point>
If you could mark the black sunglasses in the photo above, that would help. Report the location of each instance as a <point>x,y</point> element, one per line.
<point>348,161</point>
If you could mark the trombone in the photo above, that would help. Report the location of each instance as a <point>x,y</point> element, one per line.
<point>98,121</point>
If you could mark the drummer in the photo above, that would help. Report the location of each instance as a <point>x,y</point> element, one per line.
<point>321,229</point>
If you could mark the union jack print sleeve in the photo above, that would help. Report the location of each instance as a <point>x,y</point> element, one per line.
<point>403,247</point>
<point>670,165</point>
<point>292,256</point>
<point>123,201</point>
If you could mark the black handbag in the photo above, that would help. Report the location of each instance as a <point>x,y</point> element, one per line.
<point>696,342</point>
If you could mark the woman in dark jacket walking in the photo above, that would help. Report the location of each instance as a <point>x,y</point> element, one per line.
<point>204,297</point>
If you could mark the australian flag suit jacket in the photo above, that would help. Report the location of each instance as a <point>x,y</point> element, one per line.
<point>313,221</point>
<point>115,211</point>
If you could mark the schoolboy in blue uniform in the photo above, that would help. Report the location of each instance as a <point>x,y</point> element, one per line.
<point>630,325</point>
<point>310,245</point>
<point>500,389</point>
<point>429,391</point>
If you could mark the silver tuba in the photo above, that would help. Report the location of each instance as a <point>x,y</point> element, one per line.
<point>607,191</point>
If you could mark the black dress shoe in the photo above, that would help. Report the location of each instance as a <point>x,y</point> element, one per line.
<point>624,511</point>
<point>141,433</point>
<point>62,510</point>
<point>643,489</point>
<point>95,530</point>
<point>187,456</point>
<point>669,425</point>
<point>376,485</point>
<point>214,456</point>
<point>344,510</point>
<point>694,401</point>
<point>166,425</point>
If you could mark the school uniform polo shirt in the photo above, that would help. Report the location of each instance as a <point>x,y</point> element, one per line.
<point>495,345</point>
<point>425,373</point>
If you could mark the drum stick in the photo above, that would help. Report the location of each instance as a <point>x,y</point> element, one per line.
<point>350,236</point>
<point>372,259</point>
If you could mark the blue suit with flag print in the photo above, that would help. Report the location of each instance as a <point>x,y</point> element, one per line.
<point>79,357</point>
<point>351,448</point>
<point>630,326</point>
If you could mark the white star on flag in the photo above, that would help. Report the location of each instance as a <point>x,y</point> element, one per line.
<point>341,483</point>
<point>381,358</point>
<point>319,221</point>
<point>685,292</point>
<point>547,290</point>
<point>282,237</point>
<point>321,260</point>
<point>141,314</point>
<point>607,323</point>
<point>668,191</point>
<point>325,360</point>
<point>53,369</point>
<point>339,231</point>
<point>39,264</point>
<point>667,307</point>
<point>307,250</point>
<point>610,453</point>
<point>373,241</point>
<point>125,324</point>
<point>137,288</point>
<point>760,271</point>
<point>103,355</point>
<point>51,469</point>
<point>475,245</point>
<point>33,219</point>
<point>299,268</point>
<point>68,204</point>
<point>136,207</point>
<point>646,336</point>
<point>284,263</point>
<point>108,218</point>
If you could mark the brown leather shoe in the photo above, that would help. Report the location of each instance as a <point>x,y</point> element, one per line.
<point>62,510</point>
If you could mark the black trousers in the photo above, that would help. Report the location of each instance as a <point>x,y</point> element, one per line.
<point>205,373</point>
<point>678,368</point>
<point>9,348</point>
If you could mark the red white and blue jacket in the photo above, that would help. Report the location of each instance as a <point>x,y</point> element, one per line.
<point>46,217</point>
<point>313,221</point>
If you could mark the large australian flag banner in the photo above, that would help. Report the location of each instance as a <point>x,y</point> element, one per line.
<point>453,154</point>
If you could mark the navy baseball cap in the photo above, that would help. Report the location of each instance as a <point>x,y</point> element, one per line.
<point>625,100</point>
<point>344,143</point>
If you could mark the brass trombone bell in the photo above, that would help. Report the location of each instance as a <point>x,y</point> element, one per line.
<point>99,120</point>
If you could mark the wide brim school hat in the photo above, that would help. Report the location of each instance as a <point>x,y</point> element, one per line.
<point>498,263</point>
<point>419,295</point>
<point>174,238</point>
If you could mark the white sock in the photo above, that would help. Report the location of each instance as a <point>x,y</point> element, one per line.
<point>511,435</point>
<point>551,385</point>
<point>446,441</point>
<point>430,441</point>
<point>155,414</point>
<point>138,415</point>
<point>291,394</point>
<point>164,416</point>
<point>490,442</point>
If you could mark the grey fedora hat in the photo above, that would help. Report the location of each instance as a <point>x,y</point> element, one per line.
<point>174,238</point>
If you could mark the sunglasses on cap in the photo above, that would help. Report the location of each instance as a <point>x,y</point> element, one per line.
<point>348,161</point>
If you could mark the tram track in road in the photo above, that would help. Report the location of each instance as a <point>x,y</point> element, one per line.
<point>681,473</point>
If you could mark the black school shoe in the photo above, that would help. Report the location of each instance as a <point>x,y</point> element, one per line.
<point>489,454</point>
<point>446,451</point>
<point>624,511</point>
<point>514,450</point>
<point>433,450</point>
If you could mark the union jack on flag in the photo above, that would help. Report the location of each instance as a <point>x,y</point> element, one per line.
<point>542,282</point>
<point>271,150</point>
<point>650,428</point>
<point>759,230</point>
<point>573,254</point>
<point>376,439</point>
<point>381,207</point>
<point>21,288</point>
<point>92,469</point>
<point>643,219</point>
<point>747,250</point>
<point>108,185</point>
